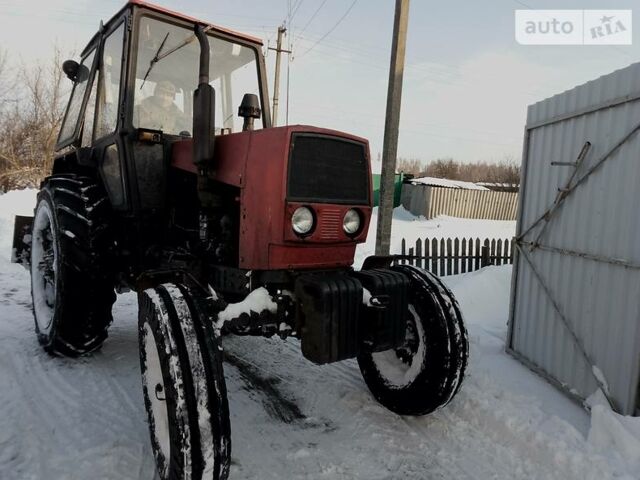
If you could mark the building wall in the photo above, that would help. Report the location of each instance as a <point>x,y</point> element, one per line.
<point>433,201</point>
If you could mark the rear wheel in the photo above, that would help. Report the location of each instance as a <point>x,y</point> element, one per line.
<point>71,284</point>
<point>183,385</point>
<point>427,370</point>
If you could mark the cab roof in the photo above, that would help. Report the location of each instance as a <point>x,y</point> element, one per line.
<point>180,16</point>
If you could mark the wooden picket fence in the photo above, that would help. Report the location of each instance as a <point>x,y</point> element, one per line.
<point>453,256</point>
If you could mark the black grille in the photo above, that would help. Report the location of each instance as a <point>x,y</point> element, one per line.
<point>328,169</point>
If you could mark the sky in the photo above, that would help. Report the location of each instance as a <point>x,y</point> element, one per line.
<point>467,82</point>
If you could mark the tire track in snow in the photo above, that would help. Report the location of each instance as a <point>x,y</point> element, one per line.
<point>278,406</point>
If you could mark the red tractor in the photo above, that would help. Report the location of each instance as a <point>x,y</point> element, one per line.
<point>170,180</point>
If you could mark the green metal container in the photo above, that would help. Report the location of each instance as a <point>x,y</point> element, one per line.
<point>397,190</point>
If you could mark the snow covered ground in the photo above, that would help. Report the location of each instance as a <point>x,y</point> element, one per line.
<point>79,419</point>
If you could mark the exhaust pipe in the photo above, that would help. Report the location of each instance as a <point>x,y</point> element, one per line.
<point>204,107</point>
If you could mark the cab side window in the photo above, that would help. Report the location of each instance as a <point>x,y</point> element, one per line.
<point>75,103</point>
<point>110,78</point>
<point>89,113</point>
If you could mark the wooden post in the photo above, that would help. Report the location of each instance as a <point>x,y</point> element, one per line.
<point>456,256</point>
<point>484,261</point>
<point>434,256</point>
<point>464,256</point>
<point>427,255</point>
<point>392,124</point>
<point>276,82</point>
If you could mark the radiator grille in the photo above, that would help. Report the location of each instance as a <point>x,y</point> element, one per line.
<point>330,224</point>
<point>327,169</point>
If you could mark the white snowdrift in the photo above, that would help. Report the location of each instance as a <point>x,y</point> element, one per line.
<point>611,434</point>
<point>257,301</point>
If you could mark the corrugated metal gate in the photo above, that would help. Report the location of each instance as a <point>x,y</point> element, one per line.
<point>575,306</point>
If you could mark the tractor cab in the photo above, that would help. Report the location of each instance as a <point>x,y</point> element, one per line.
<point>133,97</point>
<point>172,113</point>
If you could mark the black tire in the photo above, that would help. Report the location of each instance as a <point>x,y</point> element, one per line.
<point>427,371</point>
<point>183,385</point>
<point>71,281</point>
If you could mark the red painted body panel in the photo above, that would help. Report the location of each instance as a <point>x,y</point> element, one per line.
<point>311,256</point>
<point>257,162</point>
<point>230,157</point>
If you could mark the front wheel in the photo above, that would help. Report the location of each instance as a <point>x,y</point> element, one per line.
<point>183,385</point>
<point>427,370</point>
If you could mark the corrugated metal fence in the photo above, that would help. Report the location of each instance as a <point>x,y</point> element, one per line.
<point>454,256</point>
<point>433,201</point>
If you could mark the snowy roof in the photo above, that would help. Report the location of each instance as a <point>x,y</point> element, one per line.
<point>444,182</point>
<point>497,184</point>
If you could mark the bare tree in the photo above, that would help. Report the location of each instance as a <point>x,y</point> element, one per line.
<point>30,123</point>
<point>6,83</point>
<point>410,165</point>
<point>505,172</point>
<point>444,168</point>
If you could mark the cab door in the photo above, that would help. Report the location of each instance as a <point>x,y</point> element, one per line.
<point>102,123</point>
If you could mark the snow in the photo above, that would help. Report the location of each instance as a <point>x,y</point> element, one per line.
<point>43,290</point>
<point>257,301</point>
<point>601,379</point>
<point>153,378</point>
<point>366,297</point>
<point>200,384</point>
<point>84,418</point>
<point>613,433</point>
<point>394,370</point>
<point>445,182</point>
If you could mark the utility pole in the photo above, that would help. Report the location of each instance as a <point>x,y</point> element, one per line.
<point>276,82</point>
<point>391,126</point>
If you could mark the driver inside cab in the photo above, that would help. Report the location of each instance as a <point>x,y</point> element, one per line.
<point>159,112</point>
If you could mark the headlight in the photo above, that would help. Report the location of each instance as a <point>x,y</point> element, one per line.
<point>351,222</point>
<point>302,220</point>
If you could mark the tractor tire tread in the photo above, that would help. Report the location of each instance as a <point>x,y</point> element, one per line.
<point>86,248</point>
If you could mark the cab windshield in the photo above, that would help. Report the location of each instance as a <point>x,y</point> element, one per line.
<point>164,100</point>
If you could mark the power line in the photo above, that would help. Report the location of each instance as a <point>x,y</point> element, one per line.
<point>311,19</point>
<point>332,28</point>
<point>360,114</point>
<point>295,10</point>
<point>448,78</point>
